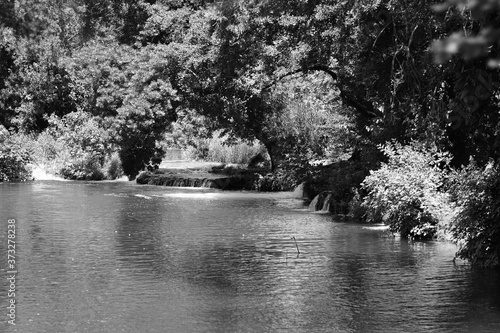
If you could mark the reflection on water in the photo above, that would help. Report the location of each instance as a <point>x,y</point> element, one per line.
<point>116,257</point>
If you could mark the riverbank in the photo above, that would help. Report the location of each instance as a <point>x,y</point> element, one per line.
<point>181,173</point>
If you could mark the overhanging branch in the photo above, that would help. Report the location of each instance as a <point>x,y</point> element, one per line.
<point>362,106</point>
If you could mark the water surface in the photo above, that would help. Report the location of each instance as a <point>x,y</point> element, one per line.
<point>118,257</point>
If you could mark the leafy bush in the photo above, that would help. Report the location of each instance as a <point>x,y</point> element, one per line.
<point>74,146</point>
<point>222,148</point>
<point>280,180</point>
<point>307,122</point>
<point>477,225</point>
<point>405,192</point>
<point>85,167</point>
<point>113,167</point>
<point>198,151</point>
<point>188,130</point>
<point>15,157</point>
<point>356,209</point>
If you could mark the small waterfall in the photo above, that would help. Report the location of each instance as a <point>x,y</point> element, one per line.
<point>298,192</point>
<point>312,205</point>
<point>326,204</point>
<point>206,183</point>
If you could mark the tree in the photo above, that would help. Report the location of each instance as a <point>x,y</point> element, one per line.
<point>471,49</point>
<point>38,88</point>
<point>312,124</point>
<point>147,110</point>
<point>130,88</point>
<point>35,85</point>
<point>377,54</point>
<point>370,51</point>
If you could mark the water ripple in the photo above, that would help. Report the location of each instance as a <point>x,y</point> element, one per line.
<point>115,257</point>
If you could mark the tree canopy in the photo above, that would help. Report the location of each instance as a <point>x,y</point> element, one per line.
<point>404,69</point>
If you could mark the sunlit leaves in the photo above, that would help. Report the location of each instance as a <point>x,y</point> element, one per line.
<point>405,192</point>
<point>165,25</point>
<point>15,157</point>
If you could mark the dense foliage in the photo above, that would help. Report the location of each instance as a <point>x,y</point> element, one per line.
<point>15,157</point>
<point>77,144</point>
<point>405,191</point>
<point>476,227</point>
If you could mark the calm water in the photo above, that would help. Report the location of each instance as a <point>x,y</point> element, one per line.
<point>117,257</point>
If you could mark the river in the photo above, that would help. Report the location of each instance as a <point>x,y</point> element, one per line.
<point>119,257</point>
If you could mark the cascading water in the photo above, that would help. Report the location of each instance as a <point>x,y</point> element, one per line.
<point>326,204</point>
<point>312,205</point>
<point>298,192</point>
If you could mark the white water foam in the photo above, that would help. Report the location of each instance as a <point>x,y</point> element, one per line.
<point>143,196</point>
<point>312,205</point>
<point>377,227</point>
<point>326,204</point>
<point>39,173</point>
<point>298,192</point>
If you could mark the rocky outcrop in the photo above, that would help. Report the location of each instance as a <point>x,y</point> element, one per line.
<point>328,202</point>
<point>223,182</point>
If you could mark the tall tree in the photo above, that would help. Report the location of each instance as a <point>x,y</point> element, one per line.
<point>377,54</point>
<point>470,49</point>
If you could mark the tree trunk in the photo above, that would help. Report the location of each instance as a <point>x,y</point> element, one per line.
<point>272,151</point>
<point>273,160</point>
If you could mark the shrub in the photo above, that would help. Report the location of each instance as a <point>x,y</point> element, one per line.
<point>198,151</point>
<point>113,167</point>
<point>221,148</point>
<point>49,153</point>
<point>15,156</point>
<point>477,225</point>
<point>356,209</point>
<point>73,146</point>
<point>280,180</point>
<point>86,167</point>
<point>405,192</point>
